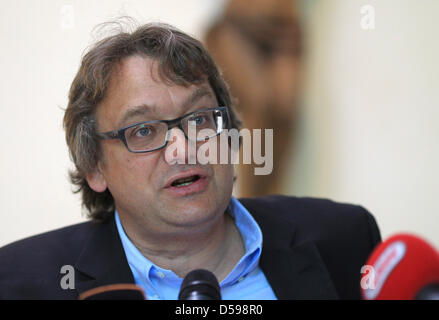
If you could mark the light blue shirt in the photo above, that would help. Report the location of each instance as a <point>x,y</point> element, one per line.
<point>245,282</point>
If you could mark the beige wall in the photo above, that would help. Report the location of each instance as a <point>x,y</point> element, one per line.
<point>371,111</point>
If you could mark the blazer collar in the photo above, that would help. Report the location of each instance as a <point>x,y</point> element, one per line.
<point>103,259</point>
<point>293,267</point>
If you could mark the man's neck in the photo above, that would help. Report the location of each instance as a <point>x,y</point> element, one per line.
<point>216,248</point>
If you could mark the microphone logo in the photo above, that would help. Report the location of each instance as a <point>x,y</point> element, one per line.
<point>381,269</point>
<point>368,280</point>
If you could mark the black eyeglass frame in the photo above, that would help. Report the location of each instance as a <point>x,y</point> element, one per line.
<point>120,133</point>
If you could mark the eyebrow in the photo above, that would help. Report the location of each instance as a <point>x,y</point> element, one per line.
<point>144,109</point>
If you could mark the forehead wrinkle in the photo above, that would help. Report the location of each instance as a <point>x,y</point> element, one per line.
<point>139,110</point>
<point>197,94</point>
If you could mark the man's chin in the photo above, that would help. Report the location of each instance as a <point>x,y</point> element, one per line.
<point>193,219</point>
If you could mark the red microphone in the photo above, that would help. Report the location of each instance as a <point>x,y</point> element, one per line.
<point>404,267</point>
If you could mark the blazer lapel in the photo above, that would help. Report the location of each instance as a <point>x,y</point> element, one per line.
<point>102,260</point>
<point>298,273</point>
<point>293,268</point>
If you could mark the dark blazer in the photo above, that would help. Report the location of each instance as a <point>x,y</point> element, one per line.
<point>312,249</point>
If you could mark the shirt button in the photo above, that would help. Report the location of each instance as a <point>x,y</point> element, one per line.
<point>160,275</point>
<point>240,279</point>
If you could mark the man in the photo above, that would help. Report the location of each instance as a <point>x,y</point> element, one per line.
<point>155,216</point>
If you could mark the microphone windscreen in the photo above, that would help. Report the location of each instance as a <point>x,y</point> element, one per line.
<point>430,292</point>
<point>200,284</point>
<point>123,291</point>
<point>401,267</point>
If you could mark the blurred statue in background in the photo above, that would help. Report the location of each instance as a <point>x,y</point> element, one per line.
<point>257,45</point>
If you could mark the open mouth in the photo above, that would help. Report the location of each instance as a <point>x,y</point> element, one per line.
<point>185,181</point>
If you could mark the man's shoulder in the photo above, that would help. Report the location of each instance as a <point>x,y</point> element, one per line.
<point>319,220</point>
<point>36,261</point>
<point>344,234</point>
<point>304,209</point>
<point>56,240</point>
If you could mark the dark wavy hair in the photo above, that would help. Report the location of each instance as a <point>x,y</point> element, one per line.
<point>182,60</point>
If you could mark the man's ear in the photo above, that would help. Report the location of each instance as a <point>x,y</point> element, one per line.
<point>96,180</point>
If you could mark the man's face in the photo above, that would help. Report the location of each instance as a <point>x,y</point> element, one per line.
<point>140,183</point>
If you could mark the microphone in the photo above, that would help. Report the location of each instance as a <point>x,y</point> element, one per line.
<point>123,291</point>
<point>430,292</point>
<point>404,267</point>
<point>200,284</point>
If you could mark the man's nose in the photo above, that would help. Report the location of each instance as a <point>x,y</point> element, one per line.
<point>178,149</point>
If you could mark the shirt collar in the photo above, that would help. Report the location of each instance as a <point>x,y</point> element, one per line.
<point>250,232</point>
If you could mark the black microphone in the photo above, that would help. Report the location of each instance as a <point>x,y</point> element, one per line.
<point>200,284</point>
<point>123,291</point>
<point>429,292</point>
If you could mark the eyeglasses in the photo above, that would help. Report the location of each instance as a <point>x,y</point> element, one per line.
<point>153,135</point>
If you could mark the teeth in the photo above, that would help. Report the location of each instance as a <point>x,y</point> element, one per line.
<point>185,181</point>
<point>184,184</point>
